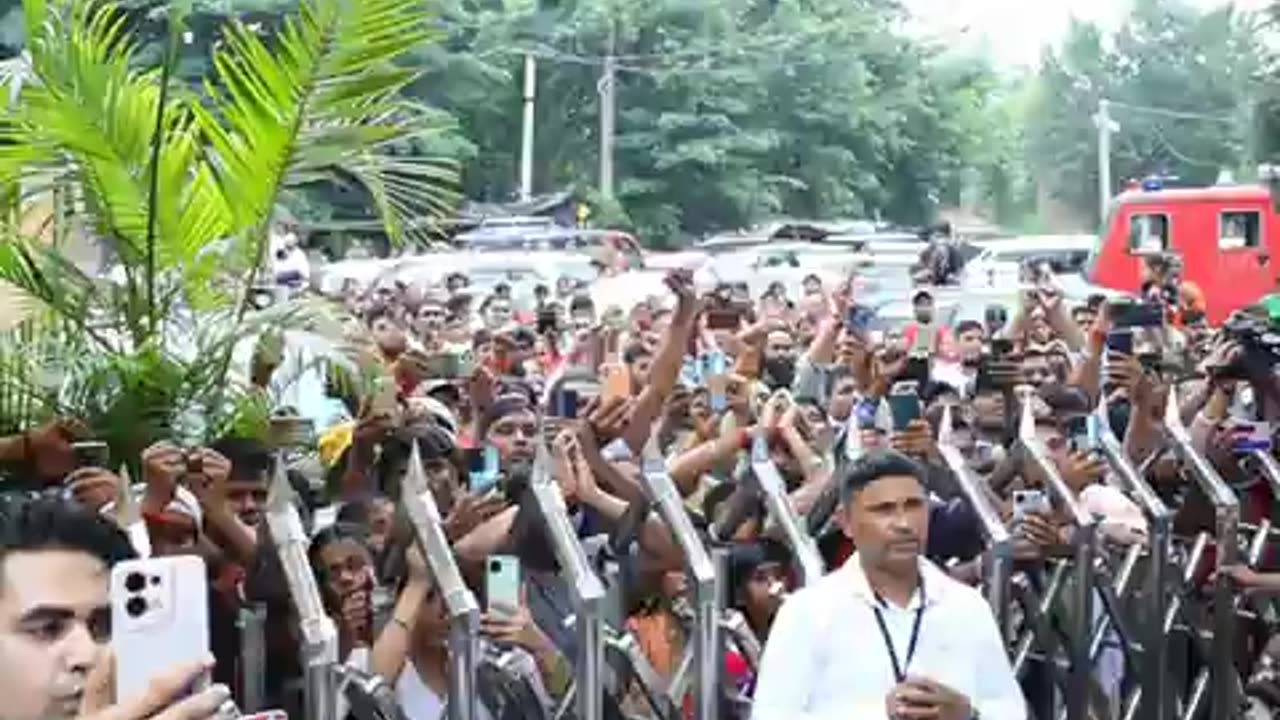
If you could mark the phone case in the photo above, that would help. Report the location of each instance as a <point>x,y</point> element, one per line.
<point>159,619</point>
<point>1026,502</point>
<point>617,382</point>
<point>905,409</point>
<point>502,582</point>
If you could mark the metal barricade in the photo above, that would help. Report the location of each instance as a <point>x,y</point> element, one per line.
<point>460,603</point>
<point>1220,668</point>
<point>623,647</point>
<point>129,516</point>
<point>1078,689</point>
<point>801,543</point>
<point>1151,700</point>
<point>251,624</point>
<point>998,568</point>
<point>319,635</point>
<point>705,646</point>
<point>587,590</point>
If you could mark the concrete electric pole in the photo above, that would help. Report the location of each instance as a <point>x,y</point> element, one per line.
<point>607,88</point>
<point>526,142</point>
<point>1106,126</point>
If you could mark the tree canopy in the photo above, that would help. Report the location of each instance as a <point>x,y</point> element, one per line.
<point>730,112</point>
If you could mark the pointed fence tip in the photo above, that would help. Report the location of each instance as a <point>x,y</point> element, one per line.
<point>280,494</point>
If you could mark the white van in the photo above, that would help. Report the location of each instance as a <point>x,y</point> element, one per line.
<point>1000,262</point>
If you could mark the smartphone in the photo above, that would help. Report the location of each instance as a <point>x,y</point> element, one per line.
<point>1001,348</point>
<point>917,370</point>
<point>1120,342</point>
<point>482,468</point>
<point>1093,431</point>
<point>904,404</point>
<point>548,322</point>
<point>502,584</point>
<point>159,619</point>
<point>691,372</point>
<point>1248,436</point>
<point>1029,502</point>
<point>617,382</point>
<point>564,403</point>
<point>714,375</point>
<point>1077,431</point>
<point>723,319</point>
<point>858,320</point>
<point>92,453</point>
<point>1133,314</point>
<point>266,715</point>
<point>292,431</point>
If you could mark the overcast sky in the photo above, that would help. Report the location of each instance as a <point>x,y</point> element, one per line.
<point>1016,30</point>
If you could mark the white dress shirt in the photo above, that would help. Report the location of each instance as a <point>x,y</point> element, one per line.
<point>826,658</point>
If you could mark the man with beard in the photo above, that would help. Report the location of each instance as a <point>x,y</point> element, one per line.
<point>925,336</point>
<point>55,620</point>
<point>779,369</point>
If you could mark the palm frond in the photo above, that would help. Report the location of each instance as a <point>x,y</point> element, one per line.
<point>89,119</point>
<point>325,101</point>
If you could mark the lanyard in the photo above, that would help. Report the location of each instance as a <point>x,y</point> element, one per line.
<point>900,671</point>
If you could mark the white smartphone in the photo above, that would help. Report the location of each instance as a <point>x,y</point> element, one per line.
<point>502,584</point>
<point>159,619</point>
<point>1029,502</point>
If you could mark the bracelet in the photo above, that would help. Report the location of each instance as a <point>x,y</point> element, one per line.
<point>403,625</point>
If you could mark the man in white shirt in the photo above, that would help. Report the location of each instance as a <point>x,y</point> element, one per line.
<point>888,635</point>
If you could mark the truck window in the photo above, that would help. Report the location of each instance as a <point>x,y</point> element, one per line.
<point>1148,233</point>
<point>1239,229</point>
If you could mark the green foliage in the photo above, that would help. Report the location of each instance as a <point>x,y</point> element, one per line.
<point>729,111</point>
<point>180,188</point>
<point>1182,84</point>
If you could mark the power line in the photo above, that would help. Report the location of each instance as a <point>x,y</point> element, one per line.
<point>1178,114</point>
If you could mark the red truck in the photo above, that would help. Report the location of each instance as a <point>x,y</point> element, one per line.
<point>1226,236</point>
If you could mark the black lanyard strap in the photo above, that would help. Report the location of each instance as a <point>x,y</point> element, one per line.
<point>900,670</point>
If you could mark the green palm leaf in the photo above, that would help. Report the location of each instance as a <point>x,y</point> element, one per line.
<point>324,101</point>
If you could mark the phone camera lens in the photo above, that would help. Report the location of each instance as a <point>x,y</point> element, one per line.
<point>495,566</point>
<point>135,582</point>
<point>135,607</point>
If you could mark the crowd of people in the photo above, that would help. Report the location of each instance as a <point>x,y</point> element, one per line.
<point>849,412</point>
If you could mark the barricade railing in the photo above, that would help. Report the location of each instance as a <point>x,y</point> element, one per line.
<point>631,662</point>
<point>251,623</point>
<point>998,566</point>
<point>1218,681</point>
<point>584,585</point>
<point>1154,664</point>
<point>774,490</point>
<point>460,604</point>
<point>705,645</point>
<point>319,635</point>
<point>1078,689</point>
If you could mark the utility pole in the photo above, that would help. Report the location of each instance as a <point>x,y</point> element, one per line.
<point>526,143</point>
<point>1105,126</point>
<point>607,89</point>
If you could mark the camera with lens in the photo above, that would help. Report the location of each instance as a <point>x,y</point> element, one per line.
<point>1259,341</point>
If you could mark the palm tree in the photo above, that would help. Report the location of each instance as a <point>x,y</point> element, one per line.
<point>179,186</point>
